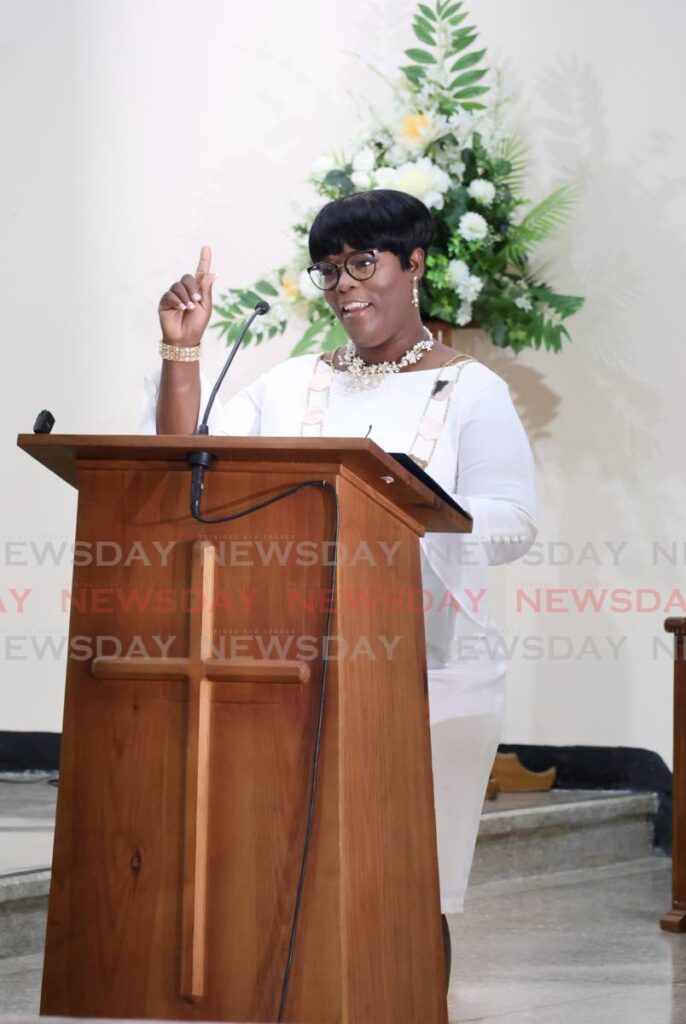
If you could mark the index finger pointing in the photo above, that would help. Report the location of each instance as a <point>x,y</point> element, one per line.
<point>204,262</point>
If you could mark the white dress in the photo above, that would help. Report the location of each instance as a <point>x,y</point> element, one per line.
<point>469,438</point>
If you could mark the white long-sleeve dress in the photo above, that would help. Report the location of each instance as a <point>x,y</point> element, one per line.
<point>459,423</point>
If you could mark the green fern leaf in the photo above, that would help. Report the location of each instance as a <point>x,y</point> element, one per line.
<point>265,288</point>
<point>334,337</point>
<point>468,94</point>
<point>515,152</point>
<point>423,23</point>
<point>310,338</point>
<point>423,34</point>
<point>547,216</point>
<point>420,56</point>
<point>414,74</point>
<point>468,61</point>
<point>470,78</point>
<point>463,43</point>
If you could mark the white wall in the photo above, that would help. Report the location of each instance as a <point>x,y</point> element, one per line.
<point>135,132</point>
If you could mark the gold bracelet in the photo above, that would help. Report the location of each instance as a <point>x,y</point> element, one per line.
<point>178,354</point>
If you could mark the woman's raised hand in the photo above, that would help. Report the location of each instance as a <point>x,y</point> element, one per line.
<point>186,308</point>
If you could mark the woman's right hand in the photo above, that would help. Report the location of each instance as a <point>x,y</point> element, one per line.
<point>186,308</point>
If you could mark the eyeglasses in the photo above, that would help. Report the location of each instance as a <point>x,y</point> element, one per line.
<point>360,265</point>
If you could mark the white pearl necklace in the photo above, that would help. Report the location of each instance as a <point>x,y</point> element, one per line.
<point>360,375</point>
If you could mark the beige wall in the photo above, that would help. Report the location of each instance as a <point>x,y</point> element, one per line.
<point>135,132</point>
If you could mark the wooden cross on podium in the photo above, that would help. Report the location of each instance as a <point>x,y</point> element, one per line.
<point>200,670</point>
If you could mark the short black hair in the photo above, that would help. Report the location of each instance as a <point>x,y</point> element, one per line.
<point>380,219</point>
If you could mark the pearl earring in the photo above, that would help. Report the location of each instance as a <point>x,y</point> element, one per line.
<point>415,293</point>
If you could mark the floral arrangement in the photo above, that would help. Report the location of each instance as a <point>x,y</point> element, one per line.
<point>447,147</point>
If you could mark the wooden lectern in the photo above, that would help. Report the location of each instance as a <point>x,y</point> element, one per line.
<point>195,663</point>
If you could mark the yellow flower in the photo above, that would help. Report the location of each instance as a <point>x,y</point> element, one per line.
<point>290,283</point>
<point>414,127</point>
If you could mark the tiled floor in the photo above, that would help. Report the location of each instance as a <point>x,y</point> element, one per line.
<point>583,947</point>
<point>585,950</point>
<point>20,979</point>
<point>27,821</point>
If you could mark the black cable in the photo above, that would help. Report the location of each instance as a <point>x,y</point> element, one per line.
<point>195,511</point>
<point>315,762</point>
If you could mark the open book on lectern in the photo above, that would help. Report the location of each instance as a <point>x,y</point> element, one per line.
<point>408,463</point>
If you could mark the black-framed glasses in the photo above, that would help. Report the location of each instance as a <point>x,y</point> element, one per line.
<point>360,265</point>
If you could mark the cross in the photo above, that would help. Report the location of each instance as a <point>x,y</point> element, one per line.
<point>200,670</point>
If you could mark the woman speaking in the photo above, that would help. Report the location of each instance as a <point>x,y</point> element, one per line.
<point>394,383</point>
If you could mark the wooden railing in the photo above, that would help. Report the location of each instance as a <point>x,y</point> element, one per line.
<point>675,918</point>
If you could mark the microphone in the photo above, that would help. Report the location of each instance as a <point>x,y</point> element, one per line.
<point>200,461</point>
<point>260,309</point>
<point>45,421</point>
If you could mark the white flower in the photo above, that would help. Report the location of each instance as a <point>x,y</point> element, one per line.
<point>396,154</point>
<point>386,177</point>
<point>471,289</point>
<point>524,303</point>
<point>458,271</point>
<point>279,311</point>
<point>364,160</point>
<point>415,131</point>
<point>361,179</point>
<point>323,164</point>
<point>468,286</point>
<point>482,191</point>
<point>307,289</point>
<point>464,314</point>
<point>462,126</point>
<point>434,200</point>
<point>448,157</point>
<point>424,180</point>
<point>472,227</point>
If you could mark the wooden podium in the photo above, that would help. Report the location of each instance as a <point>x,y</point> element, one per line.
<point>196,658</point>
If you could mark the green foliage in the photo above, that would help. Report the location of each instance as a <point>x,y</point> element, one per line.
<point>322,335</point>
<point>234,308</point>
<point>440,28</point>
<point>540,222</point>
<point>485,228</point>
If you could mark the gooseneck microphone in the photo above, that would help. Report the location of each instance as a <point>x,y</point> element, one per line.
<point>200,461</point>
<point>260,309</point>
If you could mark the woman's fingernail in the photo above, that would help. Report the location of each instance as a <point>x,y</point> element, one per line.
<point>191,305</point>
<point>196,296</point>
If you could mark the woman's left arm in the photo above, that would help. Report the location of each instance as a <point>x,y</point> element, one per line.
<point>495,474</point>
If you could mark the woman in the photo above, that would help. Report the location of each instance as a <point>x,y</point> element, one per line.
<point>394,383</point>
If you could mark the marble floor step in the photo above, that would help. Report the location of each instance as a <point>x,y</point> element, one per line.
<point>526,834</point>
<point>23,912</point>
<point>521,835</point>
